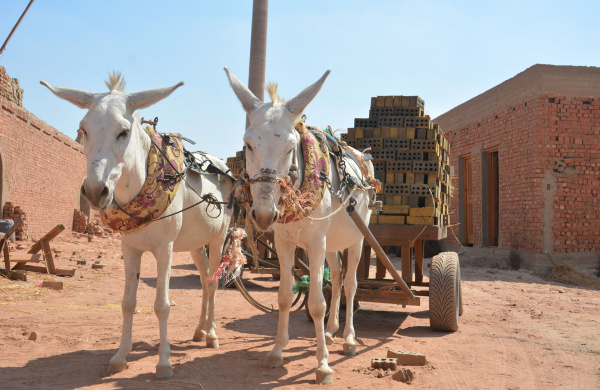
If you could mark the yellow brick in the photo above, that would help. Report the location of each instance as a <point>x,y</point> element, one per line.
<point>380,102</point>
<point>397,101</point>
<point>391,219</point>
<point>373,220</point>
<point>389,101</point>
<point>429,201</point>
<point>409,178</point>
<point>385,132</point>
<point>422,211</point>
<point>373,102</point>
<point>399,178</point>
<point>390,209</point>
<point>431,134</point>
<point>419,220</point>
<point>389,177</point>
<point>358,132</point>
<point>351,133</point>
<point>393,132</point>
<point>377,132</point>
<point>419,178</point>
<point>410,132</point>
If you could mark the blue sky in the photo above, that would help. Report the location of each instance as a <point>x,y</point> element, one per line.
<point>444,51</point>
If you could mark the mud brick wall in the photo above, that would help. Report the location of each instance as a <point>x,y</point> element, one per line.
<point>410,155</point>
<point>41,169</point>
<point>545,125</point>
<point>10,88</point>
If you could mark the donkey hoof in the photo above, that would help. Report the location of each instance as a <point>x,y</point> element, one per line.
<point>349,349</point>
<point>212,342</point>
<point>324,376</point>
<point>273,361</point>
<point>164,372</point>
<point>115,367</point>
<point>329,339</point>
<point>199,335</point>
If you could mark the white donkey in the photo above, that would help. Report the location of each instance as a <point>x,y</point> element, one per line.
<point>273,148</point>
<point>117,150</point>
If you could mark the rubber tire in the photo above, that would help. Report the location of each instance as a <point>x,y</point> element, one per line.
<point>444,292</point>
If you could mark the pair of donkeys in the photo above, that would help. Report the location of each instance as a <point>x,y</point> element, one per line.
<point>117,148</point>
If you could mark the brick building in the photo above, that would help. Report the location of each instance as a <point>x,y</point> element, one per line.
<point>41,169</point>
<point>527,157</point>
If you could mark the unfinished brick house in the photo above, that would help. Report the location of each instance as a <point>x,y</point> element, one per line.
<point>41,169</point>
<point>527,159</point>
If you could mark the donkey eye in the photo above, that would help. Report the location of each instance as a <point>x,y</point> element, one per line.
<point>83,132</point>
<point>249,147</point>
<point>123,134</point>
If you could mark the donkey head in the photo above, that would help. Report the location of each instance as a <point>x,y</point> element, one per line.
<point>114,141</point>
<point>270,142</point>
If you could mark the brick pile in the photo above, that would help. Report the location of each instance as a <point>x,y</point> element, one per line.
<point>236,164</point>
<point>13,212</point>
<point>80,221</point>
<point>410,157</point>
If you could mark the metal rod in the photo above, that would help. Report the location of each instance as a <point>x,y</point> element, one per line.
<point>16,25</point>
<point>380,253</point>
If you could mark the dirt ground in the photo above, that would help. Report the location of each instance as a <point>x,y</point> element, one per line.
<point>518,331</point>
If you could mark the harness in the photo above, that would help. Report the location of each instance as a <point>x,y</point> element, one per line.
<point>167,164</point>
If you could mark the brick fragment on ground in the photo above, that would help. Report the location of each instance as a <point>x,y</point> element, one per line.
<point>52,285</point>
<point>404,375</point>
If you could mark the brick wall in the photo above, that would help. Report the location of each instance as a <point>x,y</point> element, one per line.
<point>545,125</point>
<point>570,145</point>
<point>41,169</point>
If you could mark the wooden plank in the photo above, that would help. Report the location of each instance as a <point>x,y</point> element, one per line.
<point>25,257</point>
<point>419,250</point>
<point>406,262</point>
<point>47,237</point>
<point>381,271</point>
<point>393,297</point>
<point>406,232</point>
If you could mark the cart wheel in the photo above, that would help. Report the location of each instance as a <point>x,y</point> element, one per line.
<point>327,295</point>
<point>444,292</point>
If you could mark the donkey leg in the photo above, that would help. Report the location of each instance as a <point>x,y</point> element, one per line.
<point>214,254</point>
<point>132,260</point>
<point>350,285</point>
<point>318,307</point>
<point>162,307</point>
<point>285,296</point>
<point>333,324</point>
<point>201,262</point>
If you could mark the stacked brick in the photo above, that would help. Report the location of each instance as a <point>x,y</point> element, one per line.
<point>14,212</point>
<point>80,221</point>
<point>410,157</point>
<point>236,164</point>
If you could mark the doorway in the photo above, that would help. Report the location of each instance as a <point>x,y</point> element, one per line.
<point>467,201</point>
<point>493,198</point>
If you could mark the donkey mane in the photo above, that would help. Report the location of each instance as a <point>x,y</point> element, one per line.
<point>116,82</point>
<point>271,88</point>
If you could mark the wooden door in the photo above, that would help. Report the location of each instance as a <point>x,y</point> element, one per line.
<point>468,200</point>
<point>493,200</point>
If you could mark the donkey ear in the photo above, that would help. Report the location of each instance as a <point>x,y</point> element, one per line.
<point>82,99</point>
<point>143,99</point>
<point>249,101</point>
<point>297,105</point>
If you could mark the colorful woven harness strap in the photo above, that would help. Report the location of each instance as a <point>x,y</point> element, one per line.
<point>316,167</point>
<point>158,191</point>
